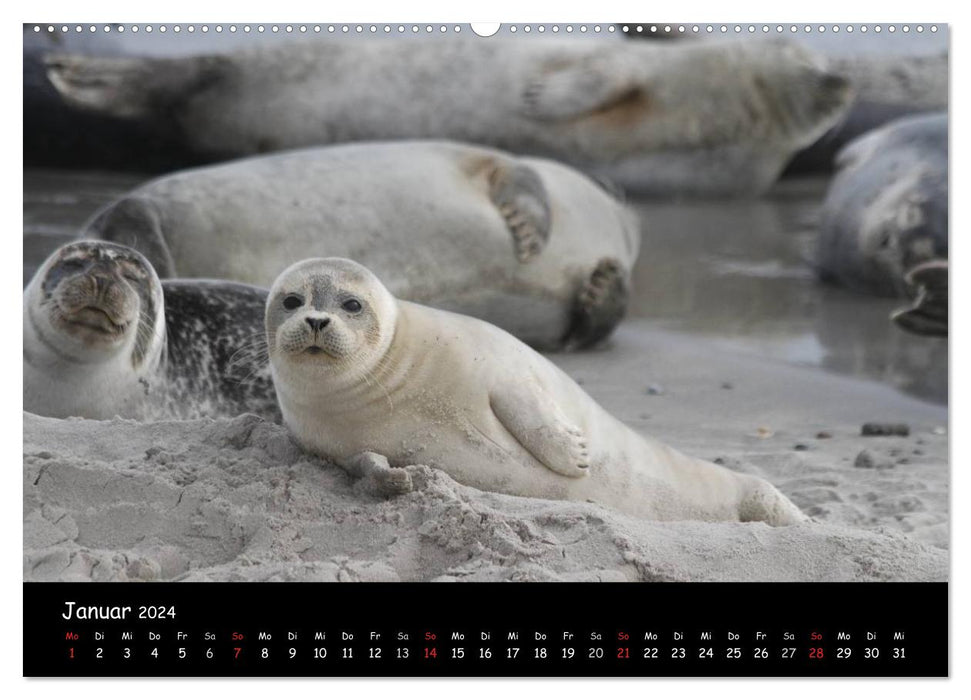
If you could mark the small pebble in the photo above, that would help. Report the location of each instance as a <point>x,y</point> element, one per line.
<point>868,460</point>
<point>918,451</point>
<point>727,385</point>
<point>800,447</point>
<point>880,429</point>
<point>823,435</point>
<point>655,389</point>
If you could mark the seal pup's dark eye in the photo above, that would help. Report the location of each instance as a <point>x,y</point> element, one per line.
<point>292,301</point>
<point>352,305</point>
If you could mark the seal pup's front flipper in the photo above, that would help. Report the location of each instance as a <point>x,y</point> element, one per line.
<point>533,418</point>
<point>376,475</point>
<point>578,88</point>
<point>522,200</point>
<point>928,314</point>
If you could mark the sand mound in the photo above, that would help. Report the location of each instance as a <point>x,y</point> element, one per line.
<point>237,500</point>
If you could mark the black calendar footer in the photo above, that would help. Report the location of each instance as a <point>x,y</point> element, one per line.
<point>485,629</point>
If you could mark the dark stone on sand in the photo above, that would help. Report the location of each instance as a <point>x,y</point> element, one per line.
<point>800,447</point>
<point>654,389</point>
<point>823,435</point>
<point>880,429</point>
<point>867,459</point>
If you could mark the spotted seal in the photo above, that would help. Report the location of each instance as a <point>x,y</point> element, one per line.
<point>103,337</point>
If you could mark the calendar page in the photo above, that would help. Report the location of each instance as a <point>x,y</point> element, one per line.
<point>633,333</point>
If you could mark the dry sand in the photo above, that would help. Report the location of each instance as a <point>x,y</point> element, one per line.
<point>237,500</point>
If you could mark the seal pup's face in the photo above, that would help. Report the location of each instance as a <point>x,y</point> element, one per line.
<point>91,300</point>
<point>329,317</point>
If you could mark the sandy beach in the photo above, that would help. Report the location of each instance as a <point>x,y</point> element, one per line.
<point>235,499</point>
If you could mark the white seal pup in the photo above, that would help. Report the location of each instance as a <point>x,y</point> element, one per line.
<point>886,211</point>
<point>531,245</point>
<point>358,371</point>
<point>704,117</point>
<point>103,337</point>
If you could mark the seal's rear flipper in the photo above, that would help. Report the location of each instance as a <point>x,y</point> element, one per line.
<point>519,195</point>
<point>532,417</point>
<point>928,314</point>
<point>762,502</point>
<point>134,222</point>
<point>600,305</point>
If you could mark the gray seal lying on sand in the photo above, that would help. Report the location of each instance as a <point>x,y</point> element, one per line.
<point>103,337</point>
<point>357,371</point>
<point>694,117</point>
<point>886,211</point>
<point>530,245</point>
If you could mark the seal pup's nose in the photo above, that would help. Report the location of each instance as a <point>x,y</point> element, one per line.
<point>104,283</point>
<point>317,324</point>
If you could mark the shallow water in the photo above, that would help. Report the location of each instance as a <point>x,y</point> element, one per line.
<point>738,273</point>
<point>734,272</point>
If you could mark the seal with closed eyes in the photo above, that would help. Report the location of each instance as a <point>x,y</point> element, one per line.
<point>358,371</point>
<point>886,211</point>
<point>103,337</point>
<point>531,245</point>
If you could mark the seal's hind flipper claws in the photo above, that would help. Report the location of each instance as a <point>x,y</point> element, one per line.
<point>600,305</point>
<point>928,313</point>
<point>519,195</point>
